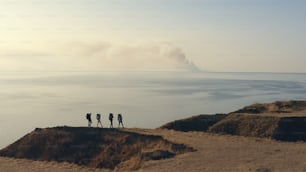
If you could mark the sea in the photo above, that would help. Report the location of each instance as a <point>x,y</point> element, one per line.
<point>147,99</point>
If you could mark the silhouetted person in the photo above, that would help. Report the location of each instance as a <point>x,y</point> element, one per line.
<point>110,117</point>
<point>99,120</point>
<point>120,121</point>
<point>88,117</point>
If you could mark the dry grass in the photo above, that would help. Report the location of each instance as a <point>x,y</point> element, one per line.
<point>275,107</point>
<point>93,147</point>
<point>230,153</point>
<point>214,153</point>
<point>279,120</point>
<point>224,153</point>
<point>23,165</point>
<point>194,123</point>
<point>247,125</point>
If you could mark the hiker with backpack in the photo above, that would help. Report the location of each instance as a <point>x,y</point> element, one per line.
<point>99,120</point>
<point>110,117</point>
<point>88,117</point>
<point>120,121</point>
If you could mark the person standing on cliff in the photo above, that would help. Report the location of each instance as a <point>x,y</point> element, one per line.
<point>120,120</point>
<point>88,117</point>
<point>110,117</point>
<point>99,120</point>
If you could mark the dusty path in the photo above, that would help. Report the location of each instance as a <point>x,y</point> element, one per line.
<point>22,165</point>
<point>229,153</point>
<point>214,153</point>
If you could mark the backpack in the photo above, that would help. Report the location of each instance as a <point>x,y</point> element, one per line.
<point>119,117</point>
<point>98,116</point>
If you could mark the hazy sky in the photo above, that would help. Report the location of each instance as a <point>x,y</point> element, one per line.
<point>212,35</point>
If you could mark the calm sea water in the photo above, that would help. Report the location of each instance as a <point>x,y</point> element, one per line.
<point>146,99</point>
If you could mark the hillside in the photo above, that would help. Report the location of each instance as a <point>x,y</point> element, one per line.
<point>195,123</point>
<point>279,120</point>
<point>93,147</point>
<point>216,139</point>
<point>277,107</point>
<point>215,153</point>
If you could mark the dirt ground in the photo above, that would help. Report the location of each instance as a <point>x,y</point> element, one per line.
<point>22,165</point>
<point>230,153</point>
<point>214,153</point>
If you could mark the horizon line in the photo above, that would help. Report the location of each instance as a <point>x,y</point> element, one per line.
<point>134,71</point>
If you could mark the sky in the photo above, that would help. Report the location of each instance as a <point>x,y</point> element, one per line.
<point>137,35</point>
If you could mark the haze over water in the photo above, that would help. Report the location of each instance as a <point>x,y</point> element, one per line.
<point>146,99</point>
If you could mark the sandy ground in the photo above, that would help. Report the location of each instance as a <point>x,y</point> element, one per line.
<point>214,153</point>
<point>22,165</point>
<point>230,153</point>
